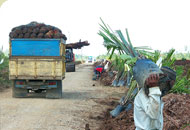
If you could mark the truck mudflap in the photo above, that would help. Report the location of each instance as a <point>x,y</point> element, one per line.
<point>19,91</point>
<point>70,67</point>
<point>55,92</point>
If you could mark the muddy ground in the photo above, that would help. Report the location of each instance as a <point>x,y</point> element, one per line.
<point>176,114</point>
<point>72,112</point>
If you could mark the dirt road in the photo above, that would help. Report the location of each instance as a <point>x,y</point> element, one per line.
<point>69,113</point>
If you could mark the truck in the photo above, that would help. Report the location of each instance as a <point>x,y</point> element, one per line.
<point>70,56</point>
<point>70,60</point>
<point>37,66</point>
<point>90,59</point>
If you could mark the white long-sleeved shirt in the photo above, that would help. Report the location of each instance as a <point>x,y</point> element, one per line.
<point>148,110</point>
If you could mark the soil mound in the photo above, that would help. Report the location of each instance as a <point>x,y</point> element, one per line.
<point>176,115</point>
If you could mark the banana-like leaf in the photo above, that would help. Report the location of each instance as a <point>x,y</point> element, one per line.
<point>132,61</point>
<point>131,46</point>
<point>125,45</point>
<point>169,59</point>
<point>142,48</point>
<point>105,37</point>
<point>125,57</point>
<point>112,53</point>
<point>129,95</point>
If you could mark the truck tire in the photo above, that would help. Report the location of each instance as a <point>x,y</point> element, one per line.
<point>70,67</point>
<point>55,93</point>
<point>18,92</point>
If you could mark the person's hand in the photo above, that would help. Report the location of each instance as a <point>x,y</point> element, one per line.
<point>152,80</point>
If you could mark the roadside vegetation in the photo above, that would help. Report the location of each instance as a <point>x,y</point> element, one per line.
<point>121,57</point>
<point>181,66</point>
<point>4,71</point>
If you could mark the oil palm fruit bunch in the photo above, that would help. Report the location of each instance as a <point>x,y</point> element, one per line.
<point>36,30</point>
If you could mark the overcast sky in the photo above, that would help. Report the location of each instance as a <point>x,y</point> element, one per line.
<point>160,24</point>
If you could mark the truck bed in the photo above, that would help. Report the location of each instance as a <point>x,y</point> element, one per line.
<point>45,62</point>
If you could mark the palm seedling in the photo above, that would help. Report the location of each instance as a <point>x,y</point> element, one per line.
<point>119,65</point>
<point>169,58</point>
<point>116,41</point>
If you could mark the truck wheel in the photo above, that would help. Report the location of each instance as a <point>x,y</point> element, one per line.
<point>55,93</point>
<point>70,68</point>
<point>18,92</point>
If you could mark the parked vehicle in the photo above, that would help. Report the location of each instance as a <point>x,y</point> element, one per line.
<point>70,60</point>
<point>37,66</point>
<point>70,56</point>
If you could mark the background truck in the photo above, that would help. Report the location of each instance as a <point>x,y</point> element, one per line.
<point>70,60</point>
<point>90,59</point>
<point>70,56</point>
<point>37,66</point>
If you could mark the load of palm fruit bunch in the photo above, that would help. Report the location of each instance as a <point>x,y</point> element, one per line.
<point>77,45</point>
<point>36,30</point>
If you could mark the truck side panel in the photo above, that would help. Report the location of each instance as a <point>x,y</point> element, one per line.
<point>36,68</point>
<point>24,47</point>
<point>63,48</point>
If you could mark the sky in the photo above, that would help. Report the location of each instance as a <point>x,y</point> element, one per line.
<point>159,24</point>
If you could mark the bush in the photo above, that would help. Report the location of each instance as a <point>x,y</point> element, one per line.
<point>182,84</point>
<point>4,70</point>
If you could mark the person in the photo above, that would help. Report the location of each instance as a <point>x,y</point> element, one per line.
<point>98,70</point>
<point>148,108</point>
